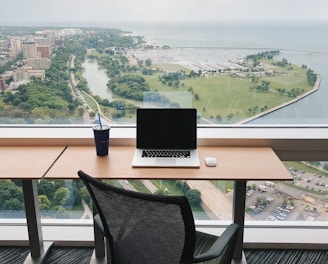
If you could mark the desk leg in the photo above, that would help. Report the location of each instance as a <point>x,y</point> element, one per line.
<point>239,198</point>
<point>33,217</point>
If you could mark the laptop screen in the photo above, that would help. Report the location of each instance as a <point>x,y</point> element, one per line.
<point>166,128</point>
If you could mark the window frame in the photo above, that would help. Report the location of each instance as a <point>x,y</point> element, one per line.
<point>290,143</point>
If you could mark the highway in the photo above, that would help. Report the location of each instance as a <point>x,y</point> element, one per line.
<point>215,202</point>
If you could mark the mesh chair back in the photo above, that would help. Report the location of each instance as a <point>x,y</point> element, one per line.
<point>143,228</point>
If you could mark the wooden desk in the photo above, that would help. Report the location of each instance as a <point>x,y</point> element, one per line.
<point>28,163</point>
<point>234,163</point>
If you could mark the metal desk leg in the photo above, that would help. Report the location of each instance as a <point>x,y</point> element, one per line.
<point>33,217</point>
<point>99,240</point>
<point>239,215</point>
<point>38,249</point>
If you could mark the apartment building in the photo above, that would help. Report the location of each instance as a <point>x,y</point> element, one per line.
<point>29,49</point>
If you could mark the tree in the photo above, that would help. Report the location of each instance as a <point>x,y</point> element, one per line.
<point>184,187</point>
<point>84,194</point>
<point>61,196</point>
<point>11,196</point>
<point>140,63</point>
<point>46,187</point>
<point>325,166</point>
<point>218,118</point>
<point>160,191</point>
<point>14,204</point>
<point>311,77</point>
<point>193,196</point>
<point>44,202</point>
<point>148,62</point>
<point>80,111</point>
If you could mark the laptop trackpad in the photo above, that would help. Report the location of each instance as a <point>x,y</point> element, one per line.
<point>163,161</point>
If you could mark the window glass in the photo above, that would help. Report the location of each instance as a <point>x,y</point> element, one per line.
<point>237,62</point>
<point>11,193</point>
<point>302,199</point>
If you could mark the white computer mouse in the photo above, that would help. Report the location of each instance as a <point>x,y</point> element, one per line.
<point>210,161</point>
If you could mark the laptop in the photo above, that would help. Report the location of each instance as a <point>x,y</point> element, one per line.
<point>166,137</point>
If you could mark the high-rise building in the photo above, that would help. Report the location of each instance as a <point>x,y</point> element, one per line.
<point>15,44</point>
<point>4,43</point>
<point>42,41</point>
<point>43,51</point>
<point>26,73</point>
<point>29,49</point>
<point>39,63</point>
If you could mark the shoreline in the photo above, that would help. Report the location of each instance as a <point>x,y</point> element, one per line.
<point>169,57</point>
<point>313,90</point>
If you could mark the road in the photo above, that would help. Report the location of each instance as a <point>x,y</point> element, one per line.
<point>216,202</point>
<point>217,205</point>
<point>87,212</point>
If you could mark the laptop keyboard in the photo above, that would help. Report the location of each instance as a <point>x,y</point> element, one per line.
<point>166,154</point>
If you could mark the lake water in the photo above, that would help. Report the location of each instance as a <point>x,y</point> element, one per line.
<point>97,79</point>
<point>299,43</point>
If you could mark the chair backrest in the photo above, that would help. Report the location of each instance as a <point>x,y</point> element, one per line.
<point>143,228</point>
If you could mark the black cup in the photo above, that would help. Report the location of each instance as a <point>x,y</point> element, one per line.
<point>101,136</point>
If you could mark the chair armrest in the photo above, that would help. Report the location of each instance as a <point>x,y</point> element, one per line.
<point>219,245</point>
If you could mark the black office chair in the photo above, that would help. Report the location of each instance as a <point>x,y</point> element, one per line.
<point>146,229</point>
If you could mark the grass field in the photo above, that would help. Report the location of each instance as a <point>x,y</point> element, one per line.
<point>231,97</point>
<point>223,98</point>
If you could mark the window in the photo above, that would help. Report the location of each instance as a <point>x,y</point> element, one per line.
<point>262,66</point>
<point>239,63</point>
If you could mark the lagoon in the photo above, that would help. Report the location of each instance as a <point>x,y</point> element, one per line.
<point>97,79</point>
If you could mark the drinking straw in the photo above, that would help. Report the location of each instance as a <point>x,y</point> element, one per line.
<point>99,121</point>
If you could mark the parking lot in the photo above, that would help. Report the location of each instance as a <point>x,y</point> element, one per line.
<point>315,182</point>
<point>283,202</point>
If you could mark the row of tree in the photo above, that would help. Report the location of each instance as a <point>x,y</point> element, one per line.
<point>311,76</point>
<point>263,55</point>
<point>58,197</point>
<point>129,86</point>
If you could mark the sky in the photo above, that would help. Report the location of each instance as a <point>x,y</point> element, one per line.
<point>27,12</point>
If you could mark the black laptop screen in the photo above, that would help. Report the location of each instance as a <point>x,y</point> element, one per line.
<point>166,128</point>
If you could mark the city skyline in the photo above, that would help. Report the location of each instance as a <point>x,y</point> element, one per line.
<point>34,12</point>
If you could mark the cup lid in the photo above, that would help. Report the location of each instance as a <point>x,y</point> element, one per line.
<point>103,127</point>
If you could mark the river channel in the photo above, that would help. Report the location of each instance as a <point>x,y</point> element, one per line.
<point>312,109</point>
<point>97,79</point>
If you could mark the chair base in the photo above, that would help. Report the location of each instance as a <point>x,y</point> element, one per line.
<point>46,248</point>
<point>240,261</point>
<point>95,260</point>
